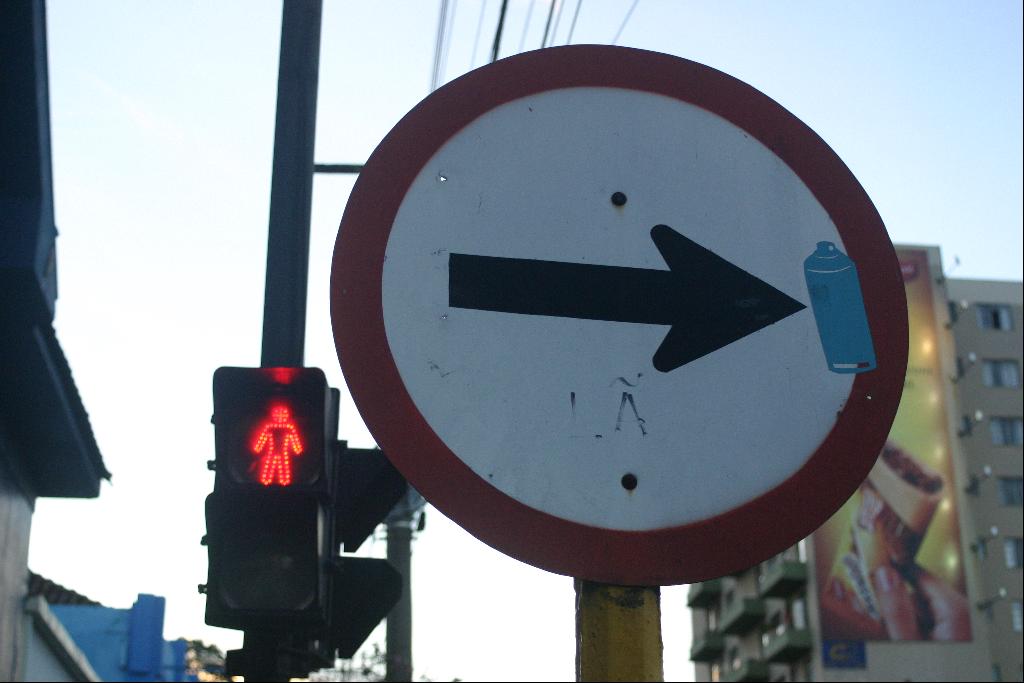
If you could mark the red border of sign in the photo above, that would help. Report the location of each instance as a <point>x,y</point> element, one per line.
<point>717,546</point>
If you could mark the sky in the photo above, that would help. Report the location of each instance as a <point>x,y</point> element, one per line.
<point>162,130</point>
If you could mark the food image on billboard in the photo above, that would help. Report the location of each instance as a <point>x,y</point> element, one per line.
<point>889,564</point>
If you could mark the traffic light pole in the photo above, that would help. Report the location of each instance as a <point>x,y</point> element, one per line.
<point>291,197</point>
<point>274,524</point>
<point>291,190</point>
<point>262,661</point>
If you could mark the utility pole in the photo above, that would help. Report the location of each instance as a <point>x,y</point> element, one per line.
<point>406,517</point>
<point>399,623</point>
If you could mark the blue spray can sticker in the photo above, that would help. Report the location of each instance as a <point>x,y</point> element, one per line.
<point>838,305</point>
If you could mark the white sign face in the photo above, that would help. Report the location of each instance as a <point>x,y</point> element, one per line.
<point>605,308</point>
<point>554,411</point>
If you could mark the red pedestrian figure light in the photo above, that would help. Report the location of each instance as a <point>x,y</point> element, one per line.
<point>278,440</point>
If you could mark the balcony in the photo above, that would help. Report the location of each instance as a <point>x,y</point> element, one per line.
<point>788,646</point>
<point>750,670</point>
<point>707,647</point>
<point>704,594</point>
<point>742,615</point>
<point>783,578</point>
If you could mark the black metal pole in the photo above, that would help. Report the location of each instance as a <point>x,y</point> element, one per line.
<point>337,168</point>
<point>291,191</point>
<point>262,659</point>
<point>291,198</point>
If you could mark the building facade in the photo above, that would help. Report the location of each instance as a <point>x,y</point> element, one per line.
<point>918,576</point>
<point>986,320</point>
<point>47,447</point>
<point>69,637</point>
<point>126,644</point>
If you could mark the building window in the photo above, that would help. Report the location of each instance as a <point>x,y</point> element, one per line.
<point>1013,548</point>
<point>995,317</point>
<point>966,426</point>
<point>1011,491</point>
<point>798,613</point>
<point>1017,612</point>
<point>1007,431</point>
<point>1000,373</point>
<point>989,612</point>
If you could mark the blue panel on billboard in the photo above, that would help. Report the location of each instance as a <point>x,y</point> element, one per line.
<point>844,654</point>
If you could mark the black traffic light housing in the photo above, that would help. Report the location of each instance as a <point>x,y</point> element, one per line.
<point>287,494</point>
<point>270,518</point>
<point>368,487</point>
<point>266,559</point>
<point>272,428</point>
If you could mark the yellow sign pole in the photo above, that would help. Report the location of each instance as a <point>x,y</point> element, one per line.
<point>618,633</point>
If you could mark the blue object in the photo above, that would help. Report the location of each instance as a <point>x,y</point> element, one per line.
<point>126,644</point>
<point>145,637</point>
<point>838,307</point>
<point>844,654</point>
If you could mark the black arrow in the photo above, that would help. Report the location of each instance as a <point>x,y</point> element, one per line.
<point>708,301</point>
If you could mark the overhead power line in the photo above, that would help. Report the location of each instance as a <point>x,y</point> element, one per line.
<point>479,30</point>
<point>625,21</point>
<point>442,43</point>
<point>558,18</point>
<point>572,26</point>
<point>547,25</point>
<point>438,44</point>
<point>526,25</point>
<point>498,32</point>
<point>447,43</point>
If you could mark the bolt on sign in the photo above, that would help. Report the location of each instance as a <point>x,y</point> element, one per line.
<point>618,314</point>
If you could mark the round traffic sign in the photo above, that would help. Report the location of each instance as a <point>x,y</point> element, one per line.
<point>619,315</point>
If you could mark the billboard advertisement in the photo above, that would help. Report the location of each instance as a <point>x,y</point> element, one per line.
<point>889,564</point>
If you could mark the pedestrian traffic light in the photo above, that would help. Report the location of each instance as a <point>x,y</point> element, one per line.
<point>286,495</point>
<point>265,556</point>
<point>271,427</point>
<point>270,529</point>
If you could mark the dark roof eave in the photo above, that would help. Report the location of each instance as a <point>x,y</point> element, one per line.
<point>45,415</point>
